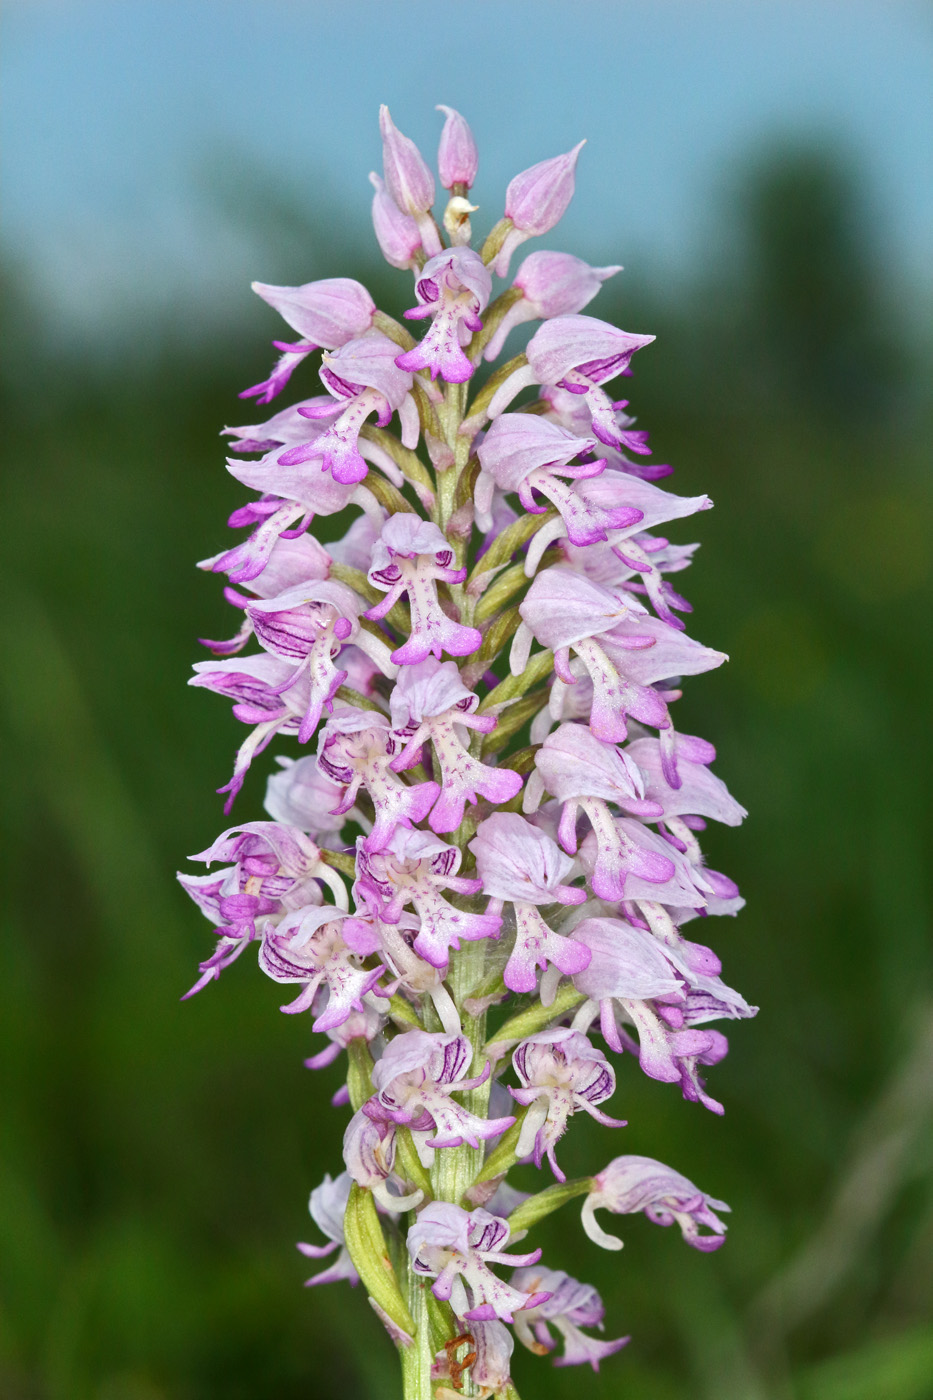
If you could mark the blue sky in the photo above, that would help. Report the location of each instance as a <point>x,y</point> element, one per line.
<point>112,112</point>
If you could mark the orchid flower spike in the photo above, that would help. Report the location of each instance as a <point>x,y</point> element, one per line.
<point>483,793</point>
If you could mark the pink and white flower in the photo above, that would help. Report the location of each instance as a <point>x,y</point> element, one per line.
<point>453,289</point>
<point>326,314</point>
<point>632,1184</point>
<point>523,453</point>
<point>559,1072</point>
<point>414,868</point>
<point>414,1080</point>
<point>362,378</point>
<point>455,1248</point>
<point>411,557</point>
<point>327,1207</point>
<point>570,1307</point>
<point>355,751</point>
<point>520,864</point>
<point>430,704</point>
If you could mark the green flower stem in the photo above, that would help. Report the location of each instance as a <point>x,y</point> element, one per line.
<point>407,461</point>
<point>359,1076</point>
<point>366,1246</point>
<point>403,337</point>
<point>417,1358</point>
<point>362,702</point>
<point>403,1013</point>
<point>488,392</point>
<point>539,666</point>
<point>499,593</point>
<point>492,320</point>
<point>546,1202</point>
<point>511,721</point>
<point>504,546</point>
<point>387,495</point>
<point>427,409</point>
<point>500,631</point>
<point>495,239</point>
<point>339,860</point>
<point>408,1163</point>
<point>447,494</point>
<point>455,1167</point>
<point>533,1019</point>
<point>503,1155</point>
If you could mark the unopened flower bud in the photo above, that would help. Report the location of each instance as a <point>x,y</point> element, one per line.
<point>551,284</point>
<point>409,181</point>
<point>457,159</point>
<point>407,176</point>
<point>396,233</point>
<point>536,200</point>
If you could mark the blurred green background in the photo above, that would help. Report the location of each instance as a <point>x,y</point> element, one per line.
<point>157,1157</point>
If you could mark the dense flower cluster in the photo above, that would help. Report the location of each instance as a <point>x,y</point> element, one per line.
<point>490,798</point>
